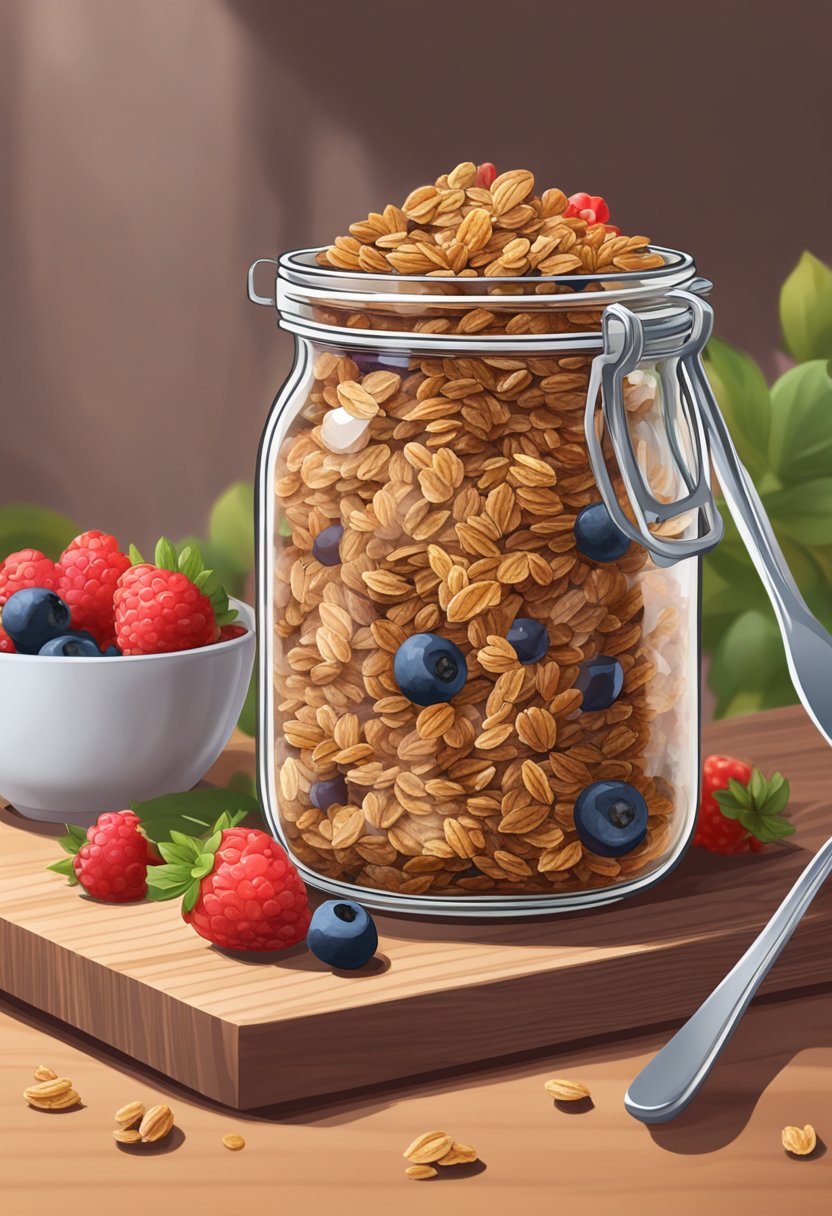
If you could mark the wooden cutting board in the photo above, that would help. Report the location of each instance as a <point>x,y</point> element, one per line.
<point>441,996</point>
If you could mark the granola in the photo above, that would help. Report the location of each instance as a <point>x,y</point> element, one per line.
<point>453,485</point>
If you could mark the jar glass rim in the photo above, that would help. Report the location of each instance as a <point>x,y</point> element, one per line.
<point>300,268</point>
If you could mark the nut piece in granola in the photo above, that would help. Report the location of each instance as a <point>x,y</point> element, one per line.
<point>130,1114</point>
<point>799,1140</point>
<point>566,1091</point>
<point>44,1073</point>
<point>428,1147</point>
<point>156,1124</point>
<point>234,1141</point>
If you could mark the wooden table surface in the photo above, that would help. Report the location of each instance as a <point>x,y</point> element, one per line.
<point>723,1155</point>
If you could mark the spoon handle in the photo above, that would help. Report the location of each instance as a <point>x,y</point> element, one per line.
<point>663,1089</point>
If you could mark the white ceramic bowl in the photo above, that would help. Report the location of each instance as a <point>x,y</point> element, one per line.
<point>79,736</point>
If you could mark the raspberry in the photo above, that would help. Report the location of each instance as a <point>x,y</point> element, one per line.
<point>110,861</point>
<point>26,568</point>
<point>87,574</point>
<point>744,816</point>
<point>252,897</point>
<point>157,611</point>
<point>6,644</point>
<point>229,632</point>
<point>589,207</point>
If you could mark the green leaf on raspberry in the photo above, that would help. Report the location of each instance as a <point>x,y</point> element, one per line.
<point>165,556</point>
<point>135,556</point>
<point>64,866</point>
<point>189,858</point>
<point>758,806</point>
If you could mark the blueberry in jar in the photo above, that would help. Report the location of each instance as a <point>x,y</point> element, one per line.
<point>429,669</point>
<point>375,361</point>
<point>33,616</point>
<point>326,546</point>
<point>529,639</point>
<point>342,934</point>
<point>77,643</point>
<point>610,818</point>
<point>597,536</point>
<point>600,680</point>
<point>324,794</point>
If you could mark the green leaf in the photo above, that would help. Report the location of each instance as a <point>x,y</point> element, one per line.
<point>191,895</point>
<point>64,866</point>
<point>203,866</point>
<point>193,812</point>
<point>172,878</point>
<point>243,781</point>
<point>231,528</point>
<point>806,309</point>
<point>135,556</point>
<point>800,439</point>
<point>190,561</point>
<point>175,854</point>
<point>803,512</point>
<point>743,396</point>
<point>26,526</point>
<point>247,721</point>
<point>748,670</point>
<point>165,556</point>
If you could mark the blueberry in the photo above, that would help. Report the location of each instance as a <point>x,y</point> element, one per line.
<point>111,652</point>
<point>600,680</point>
<point>529,639</point>
<point>324,794</point>
<point>373,361</point>
<point>610,818</point>
<point>34,616</point>
<point>75,644</point>
<point>429,669</point>
<point>597,536</point>
<point>327,545</point>
<point>342,934</point>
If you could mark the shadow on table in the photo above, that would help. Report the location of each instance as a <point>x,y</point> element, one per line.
<point>747,1066</point>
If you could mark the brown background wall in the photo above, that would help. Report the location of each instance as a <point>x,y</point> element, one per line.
<point>149,151</point>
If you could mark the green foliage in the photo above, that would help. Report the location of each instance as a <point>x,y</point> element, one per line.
<point>784,436</point>
<point>193,811</point>
<point>25,526</point>
<point>806,310</point>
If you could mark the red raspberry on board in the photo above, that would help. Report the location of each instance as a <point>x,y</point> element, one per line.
<point>87,574</point>
<point>740,810</point>
<point>109,860</point>
<point>240,890</point>
<point>26,568</point>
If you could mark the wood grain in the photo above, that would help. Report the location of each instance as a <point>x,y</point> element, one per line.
<point>446,995</point>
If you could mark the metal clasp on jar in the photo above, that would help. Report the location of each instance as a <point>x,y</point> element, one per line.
<point>674,526</point>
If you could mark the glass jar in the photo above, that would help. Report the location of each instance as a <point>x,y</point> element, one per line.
<point>481,504</point>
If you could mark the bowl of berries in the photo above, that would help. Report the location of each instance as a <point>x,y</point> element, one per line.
<point>120,679</point>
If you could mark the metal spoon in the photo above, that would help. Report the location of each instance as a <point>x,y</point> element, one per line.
<point>671,1080</point>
